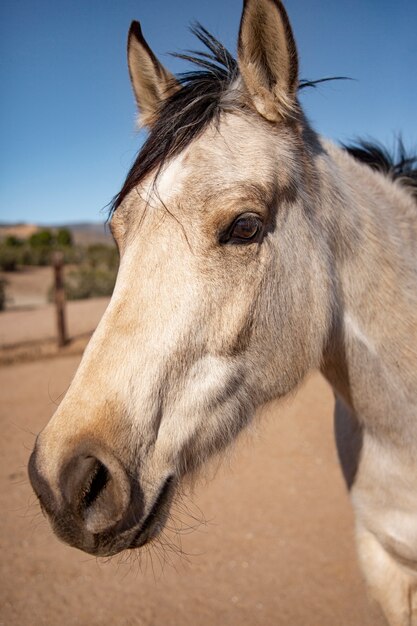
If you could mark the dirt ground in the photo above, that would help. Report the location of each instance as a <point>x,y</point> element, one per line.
<point>277,547</point>
<point>28,287</point>
<point>25,326</point>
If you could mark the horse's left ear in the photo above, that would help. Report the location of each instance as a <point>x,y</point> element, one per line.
<point>152,83</point>
<point>268,58</point>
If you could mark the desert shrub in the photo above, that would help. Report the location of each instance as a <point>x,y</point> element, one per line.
<point>13,242</point>
<point>101,255</point>
<point>90,282</point>
<point>34,251</point>
<point>3,284</point>
<point>96,269</point>
<point>10,257</point>
<point>96,274</point>
<point>38,255</point>
<point>73,255</point>
<point>42,239</point>
<point>64,238</point>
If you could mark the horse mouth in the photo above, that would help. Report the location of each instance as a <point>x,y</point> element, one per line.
<point>157,516</point>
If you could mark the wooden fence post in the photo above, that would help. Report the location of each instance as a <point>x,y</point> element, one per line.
<point>59,297</point>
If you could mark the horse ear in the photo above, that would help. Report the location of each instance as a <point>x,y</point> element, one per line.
<point>151,82</point>
<point>268,58</point>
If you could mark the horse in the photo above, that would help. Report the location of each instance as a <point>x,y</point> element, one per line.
<point>252,251</point>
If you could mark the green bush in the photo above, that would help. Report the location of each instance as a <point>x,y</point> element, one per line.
<point>13,242</point>
<point>96,269</point>
<point>10,257</point>
<point>42,239</point>
<point>96,274</point>
<point>39,255</point>
<point>90,282</point>
<point>64,238</point>
<point>13,255</point>
<point>101,255</point>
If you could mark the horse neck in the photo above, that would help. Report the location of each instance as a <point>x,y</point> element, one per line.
<point>371,357</point>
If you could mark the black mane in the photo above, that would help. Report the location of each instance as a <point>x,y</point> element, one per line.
<point>188,111</point>
<point>185,115</point>
<point>398,165</point>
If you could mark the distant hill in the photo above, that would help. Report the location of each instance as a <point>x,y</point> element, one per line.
<point>84,233</point>
<point>22,231</point>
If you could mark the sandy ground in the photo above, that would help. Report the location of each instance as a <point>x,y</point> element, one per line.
<point>28,287</point>
<point>18,327</point>
<point>277,549</point>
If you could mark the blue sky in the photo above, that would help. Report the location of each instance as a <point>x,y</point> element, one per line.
<point>67,111</point>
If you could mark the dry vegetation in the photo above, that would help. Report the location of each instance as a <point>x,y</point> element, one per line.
<point>92,265</point>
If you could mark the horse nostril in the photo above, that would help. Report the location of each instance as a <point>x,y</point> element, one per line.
<point>96,493</point>
<point>77,479</point>
<point>94,485</point>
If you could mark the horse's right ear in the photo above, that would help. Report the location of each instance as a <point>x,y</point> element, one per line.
<point>151,82</point>
<point>268,58</point>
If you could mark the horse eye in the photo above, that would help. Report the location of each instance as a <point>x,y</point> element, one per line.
<point>244,229</point>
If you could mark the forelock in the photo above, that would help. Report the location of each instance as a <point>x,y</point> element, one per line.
<point>188,112</point>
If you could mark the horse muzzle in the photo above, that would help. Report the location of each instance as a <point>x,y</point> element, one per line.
<point>96,505</point>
